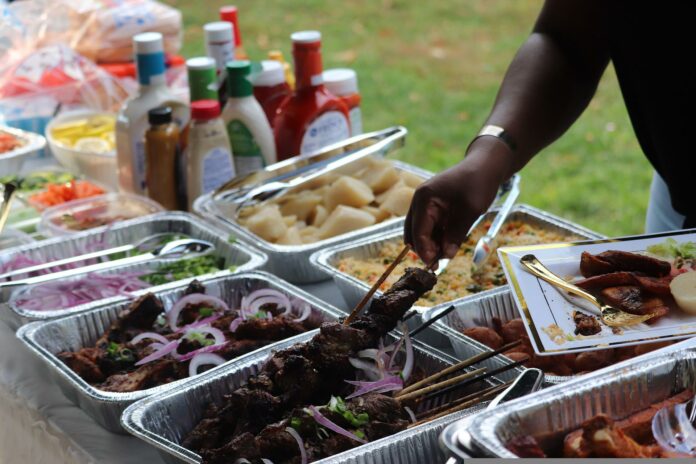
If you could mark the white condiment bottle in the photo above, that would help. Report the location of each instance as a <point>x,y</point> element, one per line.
<point>131,123</point>
<point>219,45</point>
<point>208,154</point>
<point>343,83</point>
<point>247,126</point>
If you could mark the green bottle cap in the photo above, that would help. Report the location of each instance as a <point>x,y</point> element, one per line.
<point>202,78</point>
<point>238,82</point>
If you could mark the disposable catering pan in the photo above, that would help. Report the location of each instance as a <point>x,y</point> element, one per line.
<point>237,257</point>
<point>353,289</point>
<point>291,262</point>
<point>617,391</point>
<point>163,420</point>
<point>72,333</point>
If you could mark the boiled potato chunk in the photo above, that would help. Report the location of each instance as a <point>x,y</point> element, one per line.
<point>290,220</point>
<point>379,214</point>
<point>318,216</point>
<point>348,192</point>
<point>381,178</point>
<point>267,223</point>
<point>291,237</point>
<point>300,205</point>
<point>683,288</point>
<point>398,201</point>
<point>410,179</point>
<point>345,219</point>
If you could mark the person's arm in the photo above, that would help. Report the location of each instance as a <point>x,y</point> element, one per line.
<point>549,83</point>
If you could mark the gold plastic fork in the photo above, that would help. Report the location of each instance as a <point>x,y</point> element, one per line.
<point>611,316</point>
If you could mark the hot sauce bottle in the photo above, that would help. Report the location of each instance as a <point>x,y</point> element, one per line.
<point>312,117</point>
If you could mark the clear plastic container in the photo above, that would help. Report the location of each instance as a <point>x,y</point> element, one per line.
<point>11,238</point>
<point>89,213</point>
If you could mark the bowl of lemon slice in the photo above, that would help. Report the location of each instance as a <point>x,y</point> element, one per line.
<point>84,142</point>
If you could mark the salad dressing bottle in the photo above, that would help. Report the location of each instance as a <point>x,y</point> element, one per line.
<point>248,128</point>
<point>132,121</point>
<point>208,153</point>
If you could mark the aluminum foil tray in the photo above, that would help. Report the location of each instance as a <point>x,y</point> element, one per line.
<point>291,262</point>
<point>619,391</point>
<point>151,419</point>
<point>71,333</point>
<point>354,289</point>
<point>237,255</point>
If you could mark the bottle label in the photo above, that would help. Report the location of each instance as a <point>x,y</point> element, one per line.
<point>150,68</point>
<point>139,158</point>
<point>355,121</point>
<point>330,127</point>
<point>221,52</point>
<point>247,153</point>
<point>217,169</point>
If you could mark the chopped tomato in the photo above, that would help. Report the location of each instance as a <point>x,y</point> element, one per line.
<point>56,194</point>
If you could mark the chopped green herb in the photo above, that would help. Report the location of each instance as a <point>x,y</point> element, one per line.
<point>206,312</point>
<point>184,269</point>
<point>295,422</point>
<point>337,405</point>
<point>199,337</point>
<point>359,434</point>
<point>231,239</point>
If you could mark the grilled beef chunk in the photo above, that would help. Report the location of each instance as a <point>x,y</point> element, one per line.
<point>275,329</point>
<point>142,313</point>
<point>614,261</point>
<point>585,324</point>
<point>194,287</point>
<point>241,446</point>
<point>276,444</point>
<point>84,365</point>
<point>525,446</point>
<point>146,376</point>
<point>205,435</point>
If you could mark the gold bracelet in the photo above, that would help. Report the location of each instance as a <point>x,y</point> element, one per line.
<point>490,130</point>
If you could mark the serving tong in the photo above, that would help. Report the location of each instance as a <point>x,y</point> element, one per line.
<point>613,317</point>
<point>673,428</point>
<point>8,191</point>
<point>275,180</point>
<point>173,249</point>
<point>510,190</point>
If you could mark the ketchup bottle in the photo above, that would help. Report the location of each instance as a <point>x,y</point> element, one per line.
<point>311,117</point>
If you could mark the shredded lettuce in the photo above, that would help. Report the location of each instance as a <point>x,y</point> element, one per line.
<point>670,248</point>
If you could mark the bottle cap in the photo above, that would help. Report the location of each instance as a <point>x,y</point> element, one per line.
<point>218,31</point>
<point>202,78</point>
<point>270,74</point>
<point>160,115</point>
<point>147,43</point>
<point>341,81</point>
<point>305,37</point>
<point>203,110</point>
<point>229,14</point>
<point>238,82</point>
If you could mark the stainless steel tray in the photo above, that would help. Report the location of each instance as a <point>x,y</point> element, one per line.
<point>619,391</point>
<point>239,255</point>
<point>71,333</point>
<point>354,289</point>
<point>151,419</point>
<point>291,262</point>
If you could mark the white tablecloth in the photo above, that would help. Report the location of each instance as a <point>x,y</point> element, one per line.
<point>38,425</point>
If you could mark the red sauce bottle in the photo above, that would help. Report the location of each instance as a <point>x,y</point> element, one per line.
<point>271,88</point>
<point>312,117</point>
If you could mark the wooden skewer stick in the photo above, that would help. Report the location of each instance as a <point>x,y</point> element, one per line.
<point>459,407</point>
<point>460,365</point>
<point>435,318</point>
<point>375,287</point>
<point>484,376</point>
<point>444,407</point>
<point>438,386</point>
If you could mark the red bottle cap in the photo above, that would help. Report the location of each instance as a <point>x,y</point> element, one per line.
<point>204,110</point>
<point>229,14</point>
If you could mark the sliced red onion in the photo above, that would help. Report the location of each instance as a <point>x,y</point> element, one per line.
<point>151,335</point>
<point>300,444</point>
<point>408,364</point>
<point>190,355</point>
<point>194,299</point>
<point>256,305</point>
<point>235,324</point>
<point>370,370</point>
<point>396,348</point>
<point>265,292</point>
<point>163,351</point>
<point>269,316</point>
<point>384,385</point>
<point>266,461</point>
<point>242,461</point>
<point>203,359</point>
<point>322,420</point>
<point>411,415</point>
<point>306,312</point>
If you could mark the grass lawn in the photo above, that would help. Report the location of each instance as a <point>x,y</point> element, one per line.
<point>435,67</point>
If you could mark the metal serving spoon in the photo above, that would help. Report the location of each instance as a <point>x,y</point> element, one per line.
<point>173,249</point>
<point>673,428</point>
<point>611,316</point>
<point>8,191</point>
<point>146,244</point>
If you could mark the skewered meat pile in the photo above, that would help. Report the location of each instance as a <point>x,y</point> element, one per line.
<point>635,283</point>
<point>273,417</point>
<point>563,365</point>
<point>125,359</point>
<point>603,437</point>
